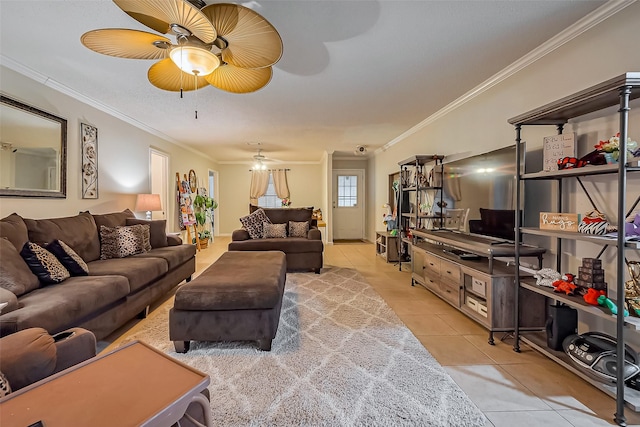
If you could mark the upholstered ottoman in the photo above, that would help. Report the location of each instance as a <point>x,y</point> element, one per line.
<point>238,298</point>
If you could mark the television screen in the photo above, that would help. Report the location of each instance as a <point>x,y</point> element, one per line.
<point>482,188</point>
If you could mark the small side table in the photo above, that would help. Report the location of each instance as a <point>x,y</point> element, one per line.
<point>322,226</point>
<point>387,246</point>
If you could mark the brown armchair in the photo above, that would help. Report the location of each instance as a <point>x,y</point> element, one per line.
<point>32,354</point>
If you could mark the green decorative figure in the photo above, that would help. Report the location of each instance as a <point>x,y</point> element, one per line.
<point>606,302</point>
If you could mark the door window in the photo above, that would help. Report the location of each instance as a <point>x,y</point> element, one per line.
<point>347,191</point>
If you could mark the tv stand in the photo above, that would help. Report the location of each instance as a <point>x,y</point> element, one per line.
<point>482,289</point>
<point>483,246</point>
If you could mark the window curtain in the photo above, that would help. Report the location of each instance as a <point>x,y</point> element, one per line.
<point>259,185</point>
<point>280,183</point>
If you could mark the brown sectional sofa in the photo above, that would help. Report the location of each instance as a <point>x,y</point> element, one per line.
<point>115,291</point>
<point>303,253</point>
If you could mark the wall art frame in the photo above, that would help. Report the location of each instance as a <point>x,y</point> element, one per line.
<point>89,145</point>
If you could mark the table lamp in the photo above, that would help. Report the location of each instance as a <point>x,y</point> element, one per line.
<point>148,203</point>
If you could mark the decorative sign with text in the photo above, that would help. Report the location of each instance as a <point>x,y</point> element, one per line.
<point>559,221</point>
<point>557,147</point>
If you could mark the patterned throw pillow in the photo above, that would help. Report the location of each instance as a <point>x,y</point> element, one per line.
<point>5,388</point>
<point>298,229</point>
<point>69,258</point>
<point>278,231</point>
<point>123,241</point>
<point>253,223</point>
<point>44,264</point>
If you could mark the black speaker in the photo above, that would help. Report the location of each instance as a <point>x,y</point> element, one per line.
<point>562,322</point>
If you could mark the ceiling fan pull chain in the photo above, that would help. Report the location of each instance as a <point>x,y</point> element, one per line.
<point>195,76</point>
<point>181,85</point>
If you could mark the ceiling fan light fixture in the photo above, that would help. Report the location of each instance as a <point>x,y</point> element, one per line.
<point>194,60</point>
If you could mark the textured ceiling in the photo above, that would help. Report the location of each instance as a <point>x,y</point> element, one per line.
<point>352,73</point>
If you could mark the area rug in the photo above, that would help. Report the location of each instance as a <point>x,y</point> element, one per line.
<point>341,357</point>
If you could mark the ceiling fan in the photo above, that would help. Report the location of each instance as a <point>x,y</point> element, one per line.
<point>225,45</point>
<point>259,158</point>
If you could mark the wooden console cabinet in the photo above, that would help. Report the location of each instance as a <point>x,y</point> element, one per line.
<point>481,288</point>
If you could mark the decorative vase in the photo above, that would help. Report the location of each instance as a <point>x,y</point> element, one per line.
<point>609,158</point>
<point>204,243</point>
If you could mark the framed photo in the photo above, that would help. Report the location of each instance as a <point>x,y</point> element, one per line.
<point>89,144</point>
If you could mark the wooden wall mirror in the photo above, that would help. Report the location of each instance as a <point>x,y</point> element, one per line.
<point>33,151</point>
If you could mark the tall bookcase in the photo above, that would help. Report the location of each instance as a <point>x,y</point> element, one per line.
<point>617,91</point>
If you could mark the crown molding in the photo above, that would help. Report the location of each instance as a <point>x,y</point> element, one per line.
<point>274,163</point>
<point>19,68</point>
<point>584,24</point>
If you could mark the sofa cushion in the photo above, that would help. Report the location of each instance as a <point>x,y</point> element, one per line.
<point>298,229</point>
<point>123,241</point>
<point>14,228</point>
<point>289,245</point>
<point>27,356</point>
<point>15,274</point>
<point>68,258</point>
<point>284,215</point>
<point>174,255</point>
<point>44,264</point>
<point>253,223</point>
<point>113,219</point>
<point>277,231</point>
<point>79,232</point>
<point>63,305</point>
<point>157,230</point>
<point>140,271</point>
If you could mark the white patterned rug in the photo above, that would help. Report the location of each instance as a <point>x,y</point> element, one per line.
<point>341,358</point>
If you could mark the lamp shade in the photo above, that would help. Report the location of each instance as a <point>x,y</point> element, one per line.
<point>148,202</point>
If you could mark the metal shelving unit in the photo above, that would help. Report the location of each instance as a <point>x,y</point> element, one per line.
<point>414,186</point>
<point>617,91</point>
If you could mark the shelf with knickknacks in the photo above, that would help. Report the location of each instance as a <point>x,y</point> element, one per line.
<point>419,190</point>
<point>618,92</point>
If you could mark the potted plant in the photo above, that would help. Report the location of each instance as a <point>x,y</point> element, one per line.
<point>203,207</point>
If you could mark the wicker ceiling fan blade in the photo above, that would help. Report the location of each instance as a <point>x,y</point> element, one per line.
<point>159,15</point>
<point>124,43</point>
<point>239,80</point>
<point>252,41</point>
<point>167,76</point>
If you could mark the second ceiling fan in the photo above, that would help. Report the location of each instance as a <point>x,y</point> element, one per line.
<point>228,46</point>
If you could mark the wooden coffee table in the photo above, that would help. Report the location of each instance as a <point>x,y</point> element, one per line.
<point>135,385</point>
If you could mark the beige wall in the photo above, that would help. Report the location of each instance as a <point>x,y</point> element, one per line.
<point>123,156</point>
<point>607,50</point>
<point>305,186</point>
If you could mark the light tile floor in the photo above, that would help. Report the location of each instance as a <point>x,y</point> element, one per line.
<point>512,389</point>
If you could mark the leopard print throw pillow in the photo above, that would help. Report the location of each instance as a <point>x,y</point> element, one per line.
<point>254,223</point>
<point>123,241</point>
<point>44,264</point>
<point>5,388</point>
<point>278,231</point>
<point>69,258</point>
<point>298,229</point>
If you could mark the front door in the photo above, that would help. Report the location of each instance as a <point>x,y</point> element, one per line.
<point>348,204</point>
